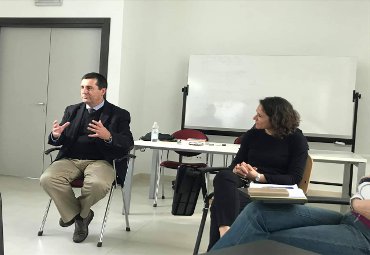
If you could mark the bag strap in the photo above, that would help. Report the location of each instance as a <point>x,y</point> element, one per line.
<point>204,186</point>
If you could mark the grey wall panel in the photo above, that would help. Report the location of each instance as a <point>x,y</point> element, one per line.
<point>24,57</point>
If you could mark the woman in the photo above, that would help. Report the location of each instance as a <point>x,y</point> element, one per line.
<point>275,151</point>
<point>315,229</point>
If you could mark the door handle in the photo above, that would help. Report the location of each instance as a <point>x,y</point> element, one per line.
<point>41,103</point>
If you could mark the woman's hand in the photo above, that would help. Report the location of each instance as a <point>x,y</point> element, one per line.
<point>242,169</point>
<point>247,171</point>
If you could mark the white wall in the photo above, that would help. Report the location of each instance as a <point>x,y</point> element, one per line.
<point>151,41</point>
<point>82,9</point>
<point>160,35</point>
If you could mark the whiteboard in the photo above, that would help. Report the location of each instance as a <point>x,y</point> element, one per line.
<point>224,91</point>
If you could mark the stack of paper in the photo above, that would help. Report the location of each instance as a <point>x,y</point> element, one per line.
<point>274,192</point>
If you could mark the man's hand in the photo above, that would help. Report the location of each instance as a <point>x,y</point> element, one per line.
<point>57,129</point>
<point>99,130</point>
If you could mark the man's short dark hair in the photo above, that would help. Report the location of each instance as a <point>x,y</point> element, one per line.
<point>101,81</point>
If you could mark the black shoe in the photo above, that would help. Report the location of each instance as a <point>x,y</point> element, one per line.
<point>82,227</point>
<point>66,224</point>
<point>173,184</point>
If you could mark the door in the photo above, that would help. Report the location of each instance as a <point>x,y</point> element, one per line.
<point>40,71</point>
<point>24,57</point>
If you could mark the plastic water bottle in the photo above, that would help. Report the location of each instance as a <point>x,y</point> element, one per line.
<point>155,132</point>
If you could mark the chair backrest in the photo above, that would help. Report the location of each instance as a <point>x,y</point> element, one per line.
<point>238,140</point>
<point>121,166</point>
<point>184,134</point>
<point>189,133</point>
<point>306,175</point>
<point>1,228</point>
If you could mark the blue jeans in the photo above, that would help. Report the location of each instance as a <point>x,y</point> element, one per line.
<point>314,229</point>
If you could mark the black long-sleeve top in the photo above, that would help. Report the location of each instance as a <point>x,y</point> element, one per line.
<point>281,160</point>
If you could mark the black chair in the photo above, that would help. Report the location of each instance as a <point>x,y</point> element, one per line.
<point>1,228</point>
<point>207,202</point>
<point>78,183</point>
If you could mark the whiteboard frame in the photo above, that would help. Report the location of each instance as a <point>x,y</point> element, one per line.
<point>348,139</point>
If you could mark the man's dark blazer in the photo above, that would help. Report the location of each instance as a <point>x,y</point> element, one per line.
<point>115,119</point>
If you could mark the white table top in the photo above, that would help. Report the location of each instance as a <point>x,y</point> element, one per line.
<point>340,156</point>
<point>206,147</point>
<point>232,149</point>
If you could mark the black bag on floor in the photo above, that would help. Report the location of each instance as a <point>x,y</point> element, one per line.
<point>189,182</point>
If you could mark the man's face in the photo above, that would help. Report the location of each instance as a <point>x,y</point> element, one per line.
<point>90,92</point>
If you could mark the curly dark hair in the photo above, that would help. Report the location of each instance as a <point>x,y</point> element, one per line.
<point>283,118</point>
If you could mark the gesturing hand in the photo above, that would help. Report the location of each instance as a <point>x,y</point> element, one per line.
<point>99,130</point>
<point>58,129</point>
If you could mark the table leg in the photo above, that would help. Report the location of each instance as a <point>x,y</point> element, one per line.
<point>361,167</point>
<point>153,173</point>
<point>345,186</point>
<point>346,180</point>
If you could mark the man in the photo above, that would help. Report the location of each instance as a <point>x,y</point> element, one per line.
<point>92,134</point>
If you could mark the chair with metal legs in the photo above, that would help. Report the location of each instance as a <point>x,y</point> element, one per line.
<point>208,198</point>
<point>78,183</point>
<point>1,228</point>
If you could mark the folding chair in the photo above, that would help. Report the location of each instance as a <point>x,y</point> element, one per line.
<point>1,228</point>
<point>207,200</point>
<point>78,183</point>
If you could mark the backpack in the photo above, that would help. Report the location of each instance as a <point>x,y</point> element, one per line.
<point>189,182</point>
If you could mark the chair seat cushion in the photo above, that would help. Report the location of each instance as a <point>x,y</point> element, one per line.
<point>197,165</point>
<point>174,164</point>
<point>170,164</point>
<point>78,183</point>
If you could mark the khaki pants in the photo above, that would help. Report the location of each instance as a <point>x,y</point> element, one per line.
<point>98,178</point>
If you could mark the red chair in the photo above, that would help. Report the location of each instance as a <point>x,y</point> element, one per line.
<point>183,134</point>
<point>238,140</point>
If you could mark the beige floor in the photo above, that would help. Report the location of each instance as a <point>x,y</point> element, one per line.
<point>153,230</point>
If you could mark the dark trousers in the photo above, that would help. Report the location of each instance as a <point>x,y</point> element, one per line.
<point>228,202</point>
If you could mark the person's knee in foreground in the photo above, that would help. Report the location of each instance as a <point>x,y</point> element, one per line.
<point>91,134</point>
<point>274,151</point>
<point>314,229</point>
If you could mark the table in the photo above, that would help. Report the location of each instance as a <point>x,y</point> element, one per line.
<point>339,157</point>
<point>208,148</point>
<point>262,247</point>
<point>346,158</point>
